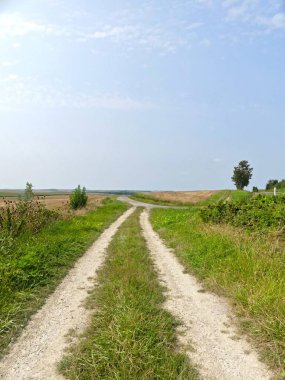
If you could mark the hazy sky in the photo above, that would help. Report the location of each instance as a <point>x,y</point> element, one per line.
<point>141,94</point>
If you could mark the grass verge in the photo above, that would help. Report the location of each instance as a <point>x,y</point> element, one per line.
<point>32,266</point>
<point>131,336</point>
<point>247,268</point>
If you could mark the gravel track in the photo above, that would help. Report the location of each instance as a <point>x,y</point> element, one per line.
<point>207,332</point>
<point>35,355</point>
<point>135,203</point>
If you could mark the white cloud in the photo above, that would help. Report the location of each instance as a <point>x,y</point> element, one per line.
<point>134,35</point>
<point>261,18</point>
<point>275,22</point>
<point>240,10</point>
<point>16,45</point>
<point>205,42</point>
<point>217,160</point>
<point>16,25</point>
<point>194,25</point>
<point>17,92</point>
<point>9,63</point>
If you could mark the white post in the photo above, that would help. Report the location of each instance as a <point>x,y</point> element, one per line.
<point>275,191</point>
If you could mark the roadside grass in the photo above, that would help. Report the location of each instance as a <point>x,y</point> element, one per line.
<point>31,266</point>
<point>131,336</point>
<point>247,268</point>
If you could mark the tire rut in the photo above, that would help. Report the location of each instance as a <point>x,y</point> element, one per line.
<point>208,334</point>
<point>34,356</point>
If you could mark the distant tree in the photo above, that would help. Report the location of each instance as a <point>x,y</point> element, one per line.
<point>281,184</point>
<point>271,184</point>
<point>78,198</point>
<point>255,189</point>
<point>28,193</point>
<point>242,175</point>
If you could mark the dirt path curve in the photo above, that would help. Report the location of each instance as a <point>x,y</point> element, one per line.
<point>36,353</point>
<point>141,204</point>
<point>206,320</point>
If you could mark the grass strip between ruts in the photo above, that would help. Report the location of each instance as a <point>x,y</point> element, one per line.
<point>131,336</point>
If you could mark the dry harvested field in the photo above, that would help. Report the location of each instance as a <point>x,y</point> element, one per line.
<point>59,201</point>
<point>183,196</point>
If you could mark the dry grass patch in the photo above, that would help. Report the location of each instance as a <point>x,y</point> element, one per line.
<point>183,196</point>
<point>60,202</point>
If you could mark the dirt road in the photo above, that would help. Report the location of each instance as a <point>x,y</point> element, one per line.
<point>36,353</point>
<point>209,334</point>
<point>141,204</point>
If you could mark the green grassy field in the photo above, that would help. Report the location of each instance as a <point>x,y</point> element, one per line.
<point>131,336</point>
<point>248,268</point>
<point>31,266</point>
<point>227,195</point>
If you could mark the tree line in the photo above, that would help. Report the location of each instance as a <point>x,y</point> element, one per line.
<point>243,173</point>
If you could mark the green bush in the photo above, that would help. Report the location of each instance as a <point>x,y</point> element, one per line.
<point>78,198</point>
<point>260,212</point>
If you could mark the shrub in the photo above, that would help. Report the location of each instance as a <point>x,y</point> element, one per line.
<point>78,198</point>
<point>24,216</point>
<point>259,212</point>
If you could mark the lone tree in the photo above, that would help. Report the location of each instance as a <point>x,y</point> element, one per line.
<point>78,198</point>
<point>28,194</point>
<point>242,175</point>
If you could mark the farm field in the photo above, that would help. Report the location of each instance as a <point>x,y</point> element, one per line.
<point>55,201</point>
<point>188,198</point>
<point>175,198</point>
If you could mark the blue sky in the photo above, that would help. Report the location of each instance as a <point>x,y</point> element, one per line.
<point>141,94</point>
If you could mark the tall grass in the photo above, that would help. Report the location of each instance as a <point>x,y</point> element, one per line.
<point>24,217</point>
<point>131,336</point>
<point>32,265</point>
<point>247,268</point>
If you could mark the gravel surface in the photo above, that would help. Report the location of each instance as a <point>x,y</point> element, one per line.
<point>142,204</point>
<point>35,355</point>
<point>207,333</point>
